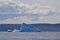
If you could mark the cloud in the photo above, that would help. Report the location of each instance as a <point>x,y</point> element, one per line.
<point>17,20</point>
<point>50,19</point>
<point>36,11</point>
<point>25,19</point>
<point>16,6</point>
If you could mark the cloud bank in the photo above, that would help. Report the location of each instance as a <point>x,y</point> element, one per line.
<point>29,11</point>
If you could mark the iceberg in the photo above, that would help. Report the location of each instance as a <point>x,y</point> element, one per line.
<point>28,28</point>
<point>9,30</point>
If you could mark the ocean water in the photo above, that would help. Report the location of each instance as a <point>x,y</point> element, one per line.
<point>49,32</point>
<point>29,35</point>
<point>42,27</point>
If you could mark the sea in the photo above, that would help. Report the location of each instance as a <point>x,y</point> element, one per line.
<point>29,35</point>
<point>49,32</point>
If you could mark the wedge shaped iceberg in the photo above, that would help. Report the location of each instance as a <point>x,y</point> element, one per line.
<point>28,28</point>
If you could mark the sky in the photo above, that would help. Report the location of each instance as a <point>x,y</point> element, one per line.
<point>29,11</point>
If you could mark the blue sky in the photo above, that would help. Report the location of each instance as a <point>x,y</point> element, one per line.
<point>29,11</point>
